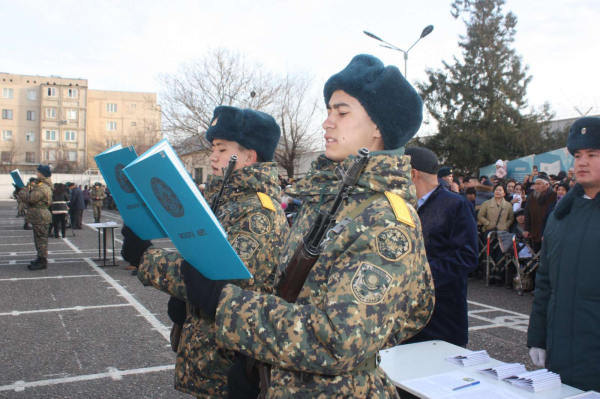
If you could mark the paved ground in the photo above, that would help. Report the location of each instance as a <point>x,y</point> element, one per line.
<point>77,330</point>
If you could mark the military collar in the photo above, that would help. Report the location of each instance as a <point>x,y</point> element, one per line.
<point>258,177</point>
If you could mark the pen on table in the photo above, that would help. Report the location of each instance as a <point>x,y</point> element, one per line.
<point>468,385</point>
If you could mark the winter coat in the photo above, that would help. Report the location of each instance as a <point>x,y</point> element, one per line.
<point>59,203</point>
<point>38,198</point>
<point>86,194</point>
<point>76,203</point>
<point>450,234</point>
<point>535,213</point>
<point>489,215</point>
<point>483,193</point>
<point>97,195</point>
<point>565,316</point>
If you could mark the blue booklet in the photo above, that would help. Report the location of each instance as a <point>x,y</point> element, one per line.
<point>171,194</point>
<point>16,175</point>
<point>134,211</point>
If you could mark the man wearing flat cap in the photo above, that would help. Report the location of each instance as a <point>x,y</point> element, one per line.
<point>38,198</point>
<point>564,333</point>
<point>256,227</point>
<point>450,235</point>
<point>371,287</point>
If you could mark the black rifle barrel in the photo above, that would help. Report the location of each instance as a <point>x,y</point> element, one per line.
<point>226,178</point>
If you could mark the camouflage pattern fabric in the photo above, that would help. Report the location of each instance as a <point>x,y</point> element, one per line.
<point>370,290</point>
<point>257,234</point>
<point>38,198</point>
<point>97,192</point>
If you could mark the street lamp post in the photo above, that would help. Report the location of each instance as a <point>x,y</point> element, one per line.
<point>426,31</point>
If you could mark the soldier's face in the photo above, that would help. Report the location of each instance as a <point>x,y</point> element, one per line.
<point>348,128</point>
<point>587,168</point>
<point>222,150</point>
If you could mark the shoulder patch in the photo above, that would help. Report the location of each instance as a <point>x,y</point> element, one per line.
<point>392,244</point>
<point>266,201</point>
<point>400,209</point>
<point>244,246</point>
<point>370,284</point>
<point>259,223</point>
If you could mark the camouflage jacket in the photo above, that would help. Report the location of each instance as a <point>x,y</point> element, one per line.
<point>38,198</point>
<point>97,192</point>
<point>370,289</point>
<point>257,234</point>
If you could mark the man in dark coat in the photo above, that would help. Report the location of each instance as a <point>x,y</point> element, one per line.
<point>77,206</point>
<point>450,233</point>
<point>535,210</point>
<point>564,327</point>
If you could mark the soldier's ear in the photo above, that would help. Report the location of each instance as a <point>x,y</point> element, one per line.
<point>251,157</point>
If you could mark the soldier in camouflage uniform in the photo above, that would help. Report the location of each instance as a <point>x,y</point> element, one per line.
<point>251,214</point>
<point>371,288</point>
<point>20,204</point>
<point>38,197</point>
<point>97,196</point>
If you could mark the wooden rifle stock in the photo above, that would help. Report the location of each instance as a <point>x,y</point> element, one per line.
<point>301,264</point>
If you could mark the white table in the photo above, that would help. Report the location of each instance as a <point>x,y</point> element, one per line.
<point>105,226</point>
<point>407,362</point>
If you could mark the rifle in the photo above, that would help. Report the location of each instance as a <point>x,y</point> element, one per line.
<point>292,279</point>
<point>175,336</point>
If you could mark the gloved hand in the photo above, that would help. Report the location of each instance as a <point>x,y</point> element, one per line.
<point>133,247</point>
<point>238,384</point>
<point>202,292</point>
<point>538,356</point>
<point>176,311</point>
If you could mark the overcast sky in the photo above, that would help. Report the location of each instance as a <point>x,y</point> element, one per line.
<point>124,45</point>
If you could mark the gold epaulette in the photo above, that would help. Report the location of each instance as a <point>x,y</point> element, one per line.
<point>266,201</point>
<point>400,209</point>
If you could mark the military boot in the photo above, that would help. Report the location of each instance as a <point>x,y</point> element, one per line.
<point>41,264</point>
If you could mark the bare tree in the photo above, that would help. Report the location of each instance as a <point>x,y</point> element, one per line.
<point>10,151</point>
<point>295,110</point>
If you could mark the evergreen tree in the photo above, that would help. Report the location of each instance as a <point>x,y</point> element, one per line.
<point>480,102</point>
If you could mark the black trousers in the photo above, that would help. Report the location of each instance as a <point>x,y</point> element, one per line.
<point>62,219</point>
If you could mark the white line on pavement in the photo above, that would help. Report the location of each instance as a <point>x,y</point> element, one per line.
<point>69,243</point>
<point>20,312</point>
<point>45,278</point>
<point>113,373</point>
<point>160,327</point>
<point>498,309</point>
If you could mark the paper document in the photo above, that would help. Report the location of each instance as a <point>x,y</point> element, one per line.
<point>174,199</point>
<point>441,386</point>
<point>535,381</point>
<point>132,208</point>
<point>470,359</point>
<point>504,371</point>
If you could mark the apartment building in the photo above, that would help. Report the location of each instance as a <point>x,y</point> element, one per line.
<point>60,121</point>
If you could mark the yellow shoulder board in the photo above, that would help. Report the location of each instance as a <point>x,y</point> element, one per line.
<point>400,209</point>
<point>266,201</point>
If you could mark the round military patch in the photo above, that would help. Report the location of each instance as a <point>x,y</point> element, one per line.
<point>370,284</point>
<point>392,244</point>
<point>260,224</point>
<point>122,179</point>
<point>167,198</point>
<point>244,246</point>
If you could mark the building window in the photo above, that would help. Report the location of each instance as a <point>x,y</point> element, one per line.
<point>71,114</point>
<point>7,135</point>
<point>7,93</point>
<point>31,95</point>
<point>7,114</point>
<point>5,157</point>
<point>133,124</point>
<point>71,156</point>
<point>51,91</point>
<point>30,136</point>
<point>133,105</point>
<point>72,93</point>
<point>111,107</point>
<point>30,157</point>
<point>51,113</point>
<point>51,135</point>
<point>50,155</point>
<point>30,115</point>
<point>111,126</point>
<point>70,136</point>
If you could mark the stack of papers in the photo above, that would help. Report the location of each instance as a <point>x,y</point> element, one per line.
<point>470,359</point>
<point>535,381</point>
<point>504,371</point>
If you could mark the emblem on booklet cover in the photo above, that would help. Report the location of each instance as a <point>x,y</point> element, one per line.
<point>167,197</point>
<point>122,179</point>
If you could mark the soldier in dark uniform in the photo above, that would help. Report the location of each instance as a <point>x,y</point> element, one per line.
<point>371,287</point>
<point>256,227</point>
<point>38,197</point>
